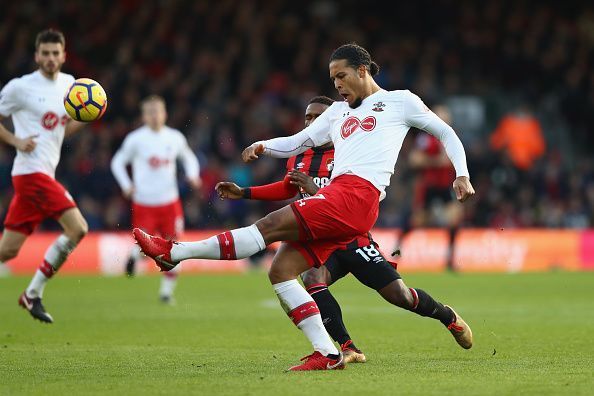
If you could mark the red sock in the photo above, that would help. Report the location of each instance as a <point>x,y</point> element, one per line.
<point>47,269</point>
<point>303,311</point>
<point>227,246</point>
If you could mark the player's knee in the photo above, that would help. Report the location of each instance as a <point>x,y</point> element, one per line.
<point>313,277</point>
<point>8,253</point>
<point>77,233</point>
<point>280,272</point>
<point>266,225</point>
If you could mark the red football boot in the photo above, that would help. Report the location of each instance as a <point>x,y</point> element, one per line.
<point>157,248</point>
<point>317,361</point>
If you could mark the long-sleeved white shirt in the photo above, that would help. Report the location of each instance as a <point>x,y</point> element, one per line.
<point>368,139</point>
<point>153,156</point>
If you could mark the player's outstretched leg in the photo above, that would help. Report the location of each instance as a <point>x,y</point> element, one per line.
<point>229,245</point>
<point>236,244</point>
<point>421,303</point>
<point>302,310</point>
<point>316,282</point>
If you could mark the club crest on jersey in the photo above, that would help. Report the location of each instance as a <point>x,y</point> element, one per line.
<point>49,120</point>
<point>379,106</point>
<point>351,124</point>
<point>330,164</point>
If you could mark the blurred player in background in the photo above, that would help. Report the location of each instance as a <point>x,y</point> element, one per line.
<point>35,102</point>
<point>153,150</point>
<point>433,201</point>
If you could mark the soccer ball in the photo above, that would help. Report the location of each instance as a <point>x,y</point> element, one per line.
<point>85,100</point>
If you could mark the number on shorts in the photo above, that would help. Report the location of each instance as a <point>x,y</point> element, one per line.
<point>367,252</point>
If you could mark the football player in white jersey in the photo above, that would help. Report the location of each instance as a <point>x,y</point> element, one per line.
<point>35,103</point>
<point>367,130</point>
<point>152,150</point>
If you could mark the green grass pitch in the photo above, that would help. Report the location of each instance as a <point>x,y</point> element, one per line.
<point>534,334</point>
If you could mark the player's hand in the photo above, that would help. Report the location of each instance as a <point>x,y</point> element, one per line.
<point>128,193</point>
<point>303,181</point>
<point>229,190</point>
<point>27,144</point>
<point>463,188</point>
<point>252,152</point>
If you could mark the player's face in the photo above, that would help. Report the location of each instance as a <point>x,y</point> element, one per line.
<point>154,114</point>
<point>50,57</point>
<point>348,81</point>
<point>313,111</point>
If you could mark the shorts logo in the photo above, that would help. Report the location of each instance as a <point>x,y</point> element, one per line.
<point>351,124</point>
<point>317,196</point>
<point>49,120</point>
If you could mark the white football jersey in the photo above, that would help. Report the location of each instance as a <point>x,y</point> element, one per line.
<point>153,156</point>
<point>36,105</point>
<point>368,139</point>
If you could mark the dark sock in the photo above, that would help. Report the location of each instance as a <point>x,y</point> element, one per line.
<point>427,306</point>
<point>130,266</point>
<point>450,257</point>
<point>330,312</point>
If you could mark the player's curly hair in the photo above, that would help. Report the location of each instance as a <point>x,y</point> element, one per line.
<point>322,100</point>
<point>50,36</point>
<point>355,56</point>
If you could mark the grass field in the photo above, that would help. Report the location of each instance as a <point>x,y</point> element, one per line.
<point>534,334</point>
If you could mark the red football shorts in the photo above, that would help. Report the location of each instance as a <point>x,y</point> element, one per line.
<point>166,221</point>
<point>37,197</point>
<point>340,214</point>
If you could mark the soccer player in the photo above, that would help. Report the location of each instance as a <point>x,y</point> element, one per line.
<point>153,150</point>
<point>35,102</point>
<point>306,174</point>
<point>367,130</point>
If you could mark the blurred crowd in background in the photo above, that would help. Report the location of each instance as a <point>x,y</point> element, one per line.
<point>516,76</point>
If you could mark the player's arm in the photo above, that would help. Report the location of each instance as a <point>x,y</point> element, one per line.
<point>190,164</point>
<point>26,145</point>
<point>417,115</point>
<point>73,126</point>
<point>9,104</point>
<point>316,134</point>
<point>278,191</point>
<point>118,167</point>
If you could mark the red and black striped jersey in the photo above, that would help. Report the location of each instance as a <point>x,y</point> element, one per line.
<point>317,163</point>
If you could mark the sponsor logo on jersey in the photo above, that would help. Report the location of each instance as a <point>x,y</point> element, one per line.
<point>156,162</point>
<point>351,124</point>
<point>49,120</point>
<point>300,165</point>
<point>368,123</point>
<point>379,106</point>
